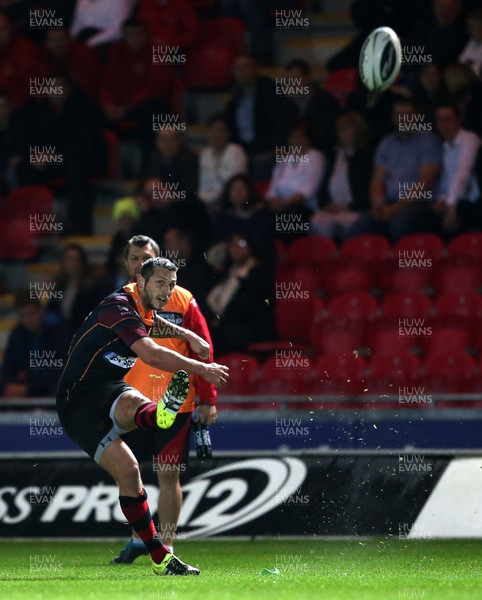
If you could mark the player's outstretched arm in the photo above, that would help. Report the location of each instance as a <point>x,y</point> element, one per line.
<point>168,360</point>
<point>168,330</point>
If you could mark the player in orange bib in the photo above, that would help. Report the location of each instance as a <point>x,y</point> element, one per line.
<point>168,449</point>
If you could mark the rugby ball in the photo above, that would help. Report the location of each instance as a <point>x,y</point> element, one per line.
<point>380,59</point>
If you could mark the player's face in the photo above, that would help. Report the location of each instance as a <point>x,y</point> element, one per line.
<point>156,292</point>
<point>136,257</point>
<point>448,123</point>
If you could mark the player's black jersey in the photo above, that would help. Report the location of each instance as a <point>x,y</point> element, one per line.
<point>100,350</point>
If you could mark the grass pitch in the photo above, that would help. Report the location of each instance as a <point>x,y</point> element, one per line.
<point>372,569</point>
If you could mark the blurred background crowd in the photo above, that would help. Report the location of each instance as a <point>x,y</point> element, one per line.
<point>182,120</point>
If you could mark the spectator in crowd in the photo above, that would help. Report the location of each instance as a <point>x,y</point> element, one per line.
<point>64,132</point>
<point>428,89</point>
<point>444,36</point>
<point>63,54</point>
<point>195,273</point>
<point>99,22</point>
<point>308,102</point>
<point>218,162</point>
<point>174,162</point>
<point>171,23</point>
<point>253,16</point>
<point>297,176</point>
<point>472,53</point>
<point>18,62</point>
<point>163,208</point>
<point>242,209</point>
<point>35,17</point>
<point>239,306</point>
<point>407,163</point>
<point>457,190</point>
<point>345,191</point>
<point>135,89</point>
<point>251,114</point>
<point>35,352</point>
<point>75,291</point>
<point>465,90</point>
<point>125,214</point>
<point>13,141</point>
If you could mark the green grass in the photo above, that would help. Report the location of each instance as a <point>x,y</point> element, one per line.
<point>332,570</point>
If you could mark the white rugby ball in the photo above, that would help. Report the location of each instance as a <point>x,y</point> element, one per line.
<point>380,59</point>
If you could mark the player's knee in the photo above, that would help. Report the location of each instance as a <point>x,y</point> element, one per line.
<point>169,477</point>
<point>130,475</point>
<point>128,404</point>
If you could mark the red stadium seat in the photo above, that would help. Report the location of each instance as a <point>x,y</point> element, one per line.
<point>243,369</point>
<point>349,276</point>
<point>447,373</point>
<point>453,333</point>
<point>338,375</point>
<point>337,335</point>
<point>313,251</point>
<point>468,245</point>
<point>392,374</point>
<point>457,275</point>
<point>406,305</point>
<point>23,220</point>
<point>298,283</point>
<point>395,279</point>
<point>285,374</point>
<point>395,335</point>
<point>372,249</point>
<point>209,62</point>
<point>294,319</point>
<point>419,247</point>
<point>356,306</point>
<point>462,304</point>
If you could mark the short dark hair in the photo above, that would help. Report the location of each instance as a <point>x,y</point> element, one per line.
<point>215,118</point>
<point>299,63</point>
<point>151,264</point>
<point>451,106</point>
<point>139,241</point>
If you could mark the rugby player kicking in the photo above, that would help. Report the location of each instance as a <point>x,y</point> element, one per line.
<point>96,406</point>
<point>166,449</point>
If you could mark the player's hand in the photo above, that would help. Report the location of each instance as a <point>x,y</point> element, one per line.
<point>206,414</point>
<point>198,345</point>
<point>217,374</point>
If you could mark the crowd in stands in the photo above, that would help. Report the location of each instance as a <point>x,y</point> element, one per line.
<point>279,162</point>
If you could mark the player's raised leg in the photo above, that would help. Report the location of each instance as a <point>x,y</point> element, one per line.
<point>119,461</point>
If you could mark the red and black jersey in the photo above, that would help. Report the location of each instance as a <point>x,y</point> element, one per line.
<point>100,350</point>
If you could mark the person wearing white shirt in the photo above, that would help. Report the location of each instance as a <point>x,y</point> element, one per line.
<point>99,22</point>
<point>472,53</point>
<point>219,161</point>
<point>297,175</point>
<point>457,184</point>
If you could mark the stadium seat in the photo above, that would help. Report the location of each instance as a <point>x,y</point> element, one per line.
<point>393,335</point>
<point>393,279</point>
<point>337,335</point>
<point>372,249</point>
<point>356,306</point>
<point>406,305</point>
<point>468,245</point>
<point>209,62</point>
<point>294,318</point>
<point>448,332</point>
<point>349,276</point>
<point>419,246</point>
<point>338,375</point>
<point>461,304</point>
<point>285,374</point>
<point>392,374</point>
<point>243,369</point>
<point>457,274</point>
<point>297,283</point>
<point>19,237</point>
<point>447,372</point>
<point>313,251</point>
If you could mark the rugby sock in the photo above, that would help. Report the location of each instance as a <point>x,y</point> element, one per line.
<point>145,417</point>
<point>137,513</point>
